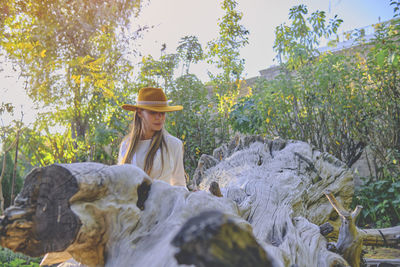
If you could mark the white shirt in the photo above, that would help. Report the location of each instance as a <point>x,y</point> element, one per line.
<point>172,172</point>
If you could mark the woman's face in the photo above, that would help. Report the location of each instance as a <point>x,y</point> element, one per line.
<point>152,121</point>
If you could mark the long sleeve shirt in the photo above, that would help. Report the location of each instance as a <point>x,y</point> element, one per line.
<point>172,172</point>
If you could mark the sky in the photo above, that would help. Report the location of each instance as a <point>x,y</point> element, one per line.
<point>174,19</point>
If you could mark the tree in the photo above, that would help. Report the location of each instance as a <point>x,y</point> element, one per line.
<point>72,54</point>
<point>195,125</point>
<point>158,72</point>
<point>6,169</point>
<point>224,51</point>
<point>190,51</point>
<point>296,44</point>
<point>10,180</point>
<point>339,102</point>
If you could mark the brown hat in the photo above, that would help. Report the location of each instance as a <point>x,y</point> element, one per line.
<point>152,99</point>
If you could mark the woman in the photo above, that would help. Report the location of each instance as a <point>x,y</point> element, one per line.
<point>148,145</point>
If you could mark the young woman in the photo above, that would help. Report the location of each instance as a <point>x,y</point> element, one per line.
<point>148,145</point>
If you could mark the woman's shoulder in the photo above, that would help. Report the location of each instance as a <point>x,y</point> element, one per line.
<point>172,140</point>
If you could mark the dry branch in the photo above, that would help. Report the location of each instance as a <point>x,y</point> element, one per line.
<point>350,239</point>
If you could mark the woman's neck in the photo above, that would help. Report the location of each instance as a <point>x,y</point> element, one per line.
<point>147,135</point>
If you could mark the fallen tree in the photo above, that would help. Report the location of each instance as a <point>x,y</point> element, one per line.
<point>269,205</point>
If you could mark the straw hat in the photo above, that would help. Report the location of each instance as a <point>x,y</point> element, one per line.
<point>152,99</point>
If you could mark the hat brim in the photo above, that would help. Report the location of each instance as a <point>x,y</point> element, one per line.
<point>152,108</point>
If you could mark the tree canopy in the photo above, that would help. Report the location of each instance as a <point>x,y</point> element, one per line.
<point>74,57</point>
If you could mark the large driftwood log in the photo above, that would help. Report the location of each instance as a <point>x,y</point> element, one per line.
<point>214,239</point>
<point>76,208</point>
<point>382,237</point>
<point>278,186</point>
<point>116,216</point>
<point>109,217</point>
<point>351,238</point>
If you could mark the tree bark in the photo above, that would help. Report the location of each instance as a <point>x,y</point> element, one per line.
<point>350,240</point>
<point>66,208</point>
<point>233,245</point>
<point>382,237</point>
<point>3,171</point>
<point>271,200</point>
<point>15,168</point>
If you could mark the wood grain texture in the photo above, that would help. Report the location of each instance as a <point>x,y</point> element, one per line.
<point>272,196</point>
<point>212,239</point>
<point>41,219</point>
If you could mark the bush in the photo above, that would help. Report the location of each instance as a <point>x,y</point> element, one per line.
<point>195,125</point>
<point>11,259</point>
<point>339,102</point>
<point>7,180</point>
<point>381,202</point>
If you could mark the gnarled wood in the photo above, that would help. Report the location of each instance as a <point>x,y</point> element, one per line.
<point>278,187</point>
<point>41,219</point>
<point>382,237</point>
<point>69,208</point>
<point>350,240</point>
<point>214,239</point>
<point>125,219</point>
<point>215,190</point>
<point>325,229</point>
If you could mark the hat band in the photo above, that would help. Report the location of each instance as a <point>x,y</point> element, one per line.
<point>153,103</point>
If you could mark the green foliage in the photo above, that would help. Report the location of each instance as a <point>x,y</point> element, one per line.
<point>158,73</point>
<point>194,125</point>
<point>319,105</point>
<point>339,102</point>
<point>382,77</point>
<point>11,259</point>
<point>296,44</point>
<point>246,117</point>
<point>381,198</point>
<point>190,51</point>
<point>224,51</point>
<point>72,55</point>
<point>7,179</point>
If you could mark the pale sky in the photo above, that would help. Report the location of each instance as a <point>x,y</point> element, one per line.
<point>173,19</point>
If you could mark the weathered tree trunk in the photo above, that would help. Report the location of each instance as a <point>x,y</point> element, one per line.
<point>351,238</point>
<point>3,171</point>
<point>214,239</point>
<point>382,237</point>
<point>15,168</point>
<point>278,187</point>
<point>272,201</point>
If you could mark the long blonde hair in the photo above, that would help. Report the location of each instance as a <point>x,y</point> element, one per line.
<point>157,142</point>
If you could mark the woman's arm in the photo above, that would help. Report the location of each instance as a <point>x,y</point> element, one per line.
<point>178,174</point>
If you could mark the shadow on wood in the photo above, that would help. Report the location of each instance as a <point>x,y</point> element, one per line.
<point>213,239</point>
